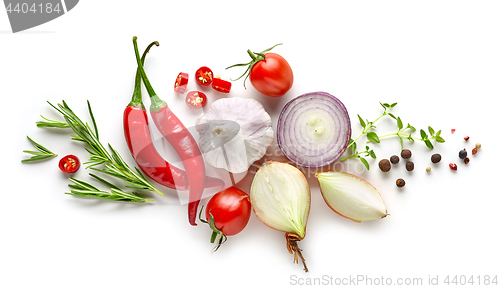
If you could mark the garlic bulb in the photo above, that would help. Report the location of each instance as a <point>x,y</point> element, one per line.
<point>281,199</point>
<point>230,147</point>
<point>351,197</point>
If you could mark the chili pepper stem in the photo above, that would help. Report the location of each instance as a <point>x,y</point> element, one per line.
<point>156,102</point>
<point>137,95</point>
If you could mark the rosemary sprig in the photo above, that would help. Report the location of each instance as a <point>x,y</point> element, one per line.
<point>42,154</point>
<point>114,164</point>
<point>84,189</point>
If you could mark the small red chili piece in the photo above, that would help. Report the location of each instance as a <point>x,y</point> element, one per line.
<point>466,138</point>
<point>474,151</point>
<point>466,160</point>
<point>453,130</point>
<point>453,166</point>
<point>221,85</point>
<point>181,82</point>
<point>196,99</point>
<point>204,76</point>
<point>69,164</point>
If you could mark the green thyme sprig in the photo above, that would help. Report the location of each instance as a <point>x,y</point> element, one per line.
<point>42,154</point>
<point>114,164</point>
<point>368,125</point>
<point>84,189</point>
<point>402,134</point>
<point>361,155</point>
<point>423,134</point>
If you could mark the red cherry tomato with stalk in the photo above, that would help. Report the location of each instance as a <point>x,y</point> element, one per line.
<point>269,73</point>
<point>228,213</point>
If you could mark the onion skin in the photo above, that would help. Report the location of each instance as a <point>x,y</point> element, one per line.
<point>294,140</point>
<point>366,205</point>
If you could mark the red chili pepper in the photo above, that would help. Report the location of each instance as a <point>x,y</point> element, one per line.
<point>180,139</point>
<point>221,85</point>
<point>140,144</point>
<point>69,164</point>
<point>196,99</point>
<point>204,76</point>
<point>181,82</point>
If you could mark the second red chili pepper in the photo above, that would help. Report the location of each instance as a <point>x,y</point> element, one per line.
<point>180,139</point>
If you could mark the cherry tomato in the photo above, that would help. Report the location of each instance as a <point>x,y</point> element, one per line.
<point>204,76</point>
<point>221,85</point>
<point>69,164</point>
<point>196,99</point>
<point>230,209</point>
<point>181,82</point>
<point>272,76</point>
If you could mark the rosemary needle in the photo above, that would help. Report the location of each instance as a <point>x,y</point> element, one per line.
<point>42,154</point>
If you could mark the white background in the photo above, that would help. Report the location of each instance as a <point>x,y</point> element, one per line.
<point>438,59</point>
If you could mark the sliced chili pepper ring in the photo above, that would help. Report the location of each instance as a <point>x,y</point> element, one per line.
<point>204,76</point>
<point>181,82</point>
<point>221,85</point>
<point>69,164</point>
<point>196,99</point>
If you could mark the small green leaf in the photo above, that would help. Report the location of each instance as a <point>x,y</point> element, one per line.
<point>383,105</point>
<point>392,115</point>
<point>423,134</point>
<point>439,139</point>
<point>361,121</point>
<point>363,160</point>
<point>400,123</point>
<point>410,137</point>
<point>438,133</point>
<point>354,146</point>
<point>431,131</point>
<point>387,105</point>
<point>372,154</point>
<point>412,127</point>
<point>429,144</point>
<point>394,104</point>
<point>373,137</point>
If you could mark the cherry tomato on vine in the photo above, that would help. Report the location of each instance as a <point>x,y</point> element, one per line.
<point>230,210</point>
<point>196,99</point>
<point>204,76</point>
<point>69,164</point>
<point>270,73</point>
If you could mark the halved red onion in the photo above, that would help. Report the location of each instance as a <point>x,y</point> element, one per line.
<point>314,129</point>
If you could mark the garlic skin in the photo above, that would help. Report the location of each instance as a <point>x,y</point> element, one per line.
<point>254,136</point>
<point>351,197</point>
<point>281,197</point>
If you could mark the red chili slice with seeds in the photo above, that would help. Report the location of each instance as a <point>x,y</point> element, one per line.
<point>204,76</point>
<point>181,82</point>
<point>69,164</point>
<point>196,99</point>
<point>221,85</point>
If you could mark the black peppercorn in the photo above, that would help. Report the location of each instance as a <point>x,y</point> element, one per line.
<point>410,166</point>
<point>406,154</point>
<point>384,165</point>
<point>435,158</point>
<point>462,154</point>
<point>394,159</point>
<point>400,183</point>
